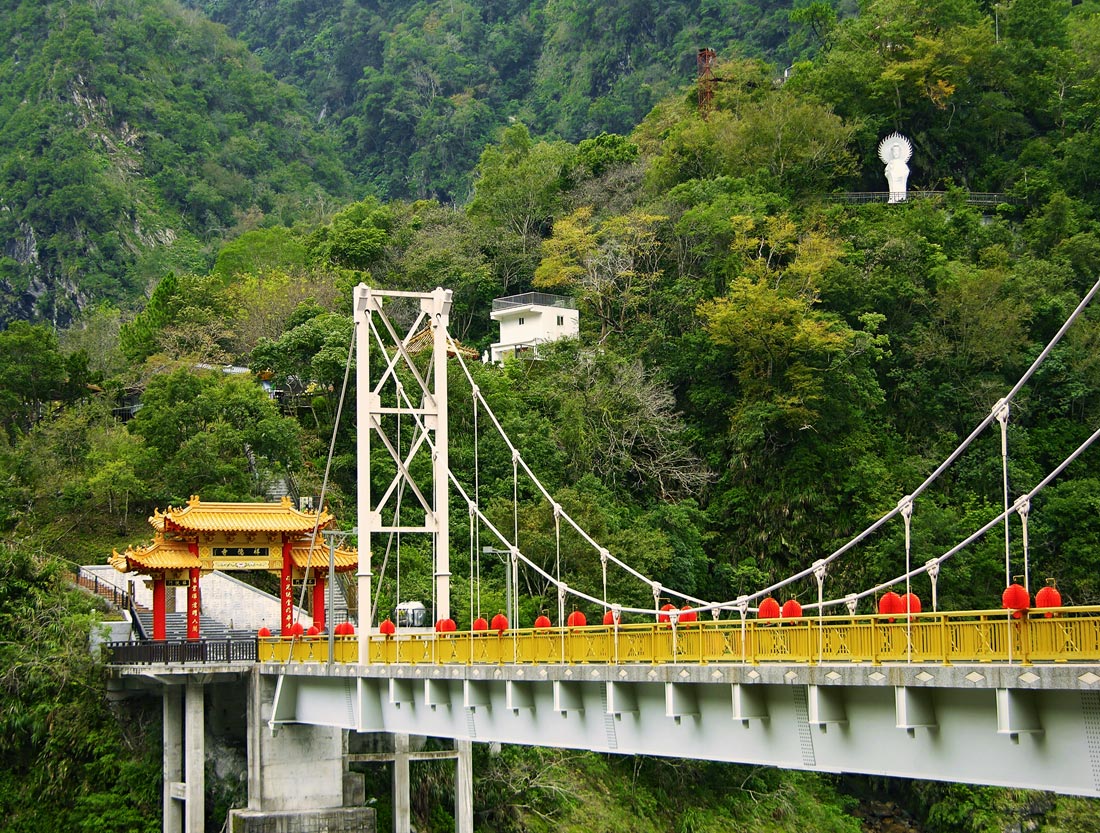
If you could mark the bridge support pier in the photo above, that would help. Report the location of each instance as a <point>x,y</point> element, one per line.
<point>402,806</point>
<point>184,758</point>
<point>464,787</point>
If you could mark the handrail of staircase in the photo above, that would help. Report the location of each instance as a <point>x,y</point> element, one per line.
<point>104,589</point>
<point>138,625</point>
<point>292,489</point>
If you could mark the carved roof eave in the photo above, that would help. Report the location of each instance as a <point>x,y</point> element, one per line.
<point>154,558</point>
<point>197,517</point>
<point>346,560</point>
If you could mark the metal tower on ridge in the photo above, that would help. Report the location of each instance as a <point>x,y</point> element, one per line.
<point>404,413</point>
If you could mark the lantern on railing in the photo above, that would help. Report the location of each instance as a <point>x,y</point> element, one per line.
<point>296,629</point>
<point>609,617</point>
<point>1048,597</point>
<point>688,615</point>
<point>769,609</point>
<point>663,615</point>
<point>264,631</point>
<point>1016,599</point>
<point>891,604</point>
<point>386,628</point>
<point>480,624</point>
<point>445,626</point>
<point>313,631</point>
<point>499,623</point>
<point>542,623</point>
<point>910,603</point>
<point>349,629</point>
<point>791,609</point>
<point>576,619</point>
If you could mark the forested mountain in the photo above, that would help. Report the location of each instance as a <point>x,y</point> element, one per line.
<point>762,369</point>
<point>414,90</point>
<point>134,134</point>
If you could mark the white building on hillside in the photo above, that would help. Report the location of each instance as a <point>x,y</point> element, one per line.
<point>531,319</point>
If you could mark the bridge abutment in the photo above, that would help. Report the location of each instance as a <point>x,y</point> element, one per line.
<point>297,775</point>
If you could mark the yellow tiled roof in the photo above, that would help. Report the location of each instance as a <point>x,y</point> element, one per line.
<point>197,516</point>
<point>345,559</point>
<point>160,555</point>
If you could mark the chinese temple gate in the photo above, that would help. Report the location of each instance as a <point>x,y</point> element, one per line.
<point>201,537</point>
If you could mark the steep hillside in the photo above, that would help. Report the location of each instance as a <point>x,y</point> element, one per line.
<point>414,90</point>
<point>134,134</point>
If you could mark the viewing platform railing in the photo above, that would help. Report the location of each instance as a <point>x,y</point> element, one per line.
<point>527,299</point>
<point>972,197</point>
<point>163,652</point>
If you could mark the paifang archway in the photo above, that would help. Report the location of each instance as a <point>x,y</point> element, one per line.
<point>198,538</point>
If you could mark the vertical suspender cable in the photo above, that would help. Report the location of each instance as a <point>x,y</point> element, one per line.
<point>1000,410</point>
<point>474,523</point>
<point>515,539</point>
<point>1023,508</point>
<point>906,507</point>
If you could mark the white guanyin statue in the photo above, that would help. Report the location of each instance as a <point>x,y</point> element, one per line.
<point>894,151</point>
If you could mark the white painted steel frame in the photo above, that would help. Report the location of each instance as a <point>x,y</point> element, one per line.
<point>429,418</point>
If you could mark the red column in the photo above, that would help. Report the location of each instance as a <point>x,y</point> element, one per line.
<point>319,603</point>
<point>160,605</point>
<point>287,589</point>
<point>194,605</point>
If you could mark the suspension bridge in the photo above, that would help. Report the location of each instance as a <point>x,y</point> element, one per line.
<point>1009,696</point>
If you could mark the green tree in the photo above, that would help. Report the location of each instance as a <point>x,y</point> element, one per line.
<point>213,435</point>
<point>611,266</point>
<point>32,374</point>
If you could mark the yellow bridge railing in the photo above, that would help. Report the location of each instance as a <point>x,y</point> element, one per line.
<point>1068,635</point>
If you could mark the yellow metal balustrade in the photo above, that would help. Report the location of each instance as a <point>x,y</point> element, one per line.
<point>1066,635</point>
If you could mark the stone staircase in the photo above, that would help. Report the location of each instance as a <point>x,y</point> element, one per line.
<point>210,629</point>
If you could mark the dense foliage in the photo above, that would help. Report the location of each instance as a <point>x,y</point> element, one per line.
<point>134,134</point>
<point>68,759</point>
<point>761,371</point>
<point>414,90</point>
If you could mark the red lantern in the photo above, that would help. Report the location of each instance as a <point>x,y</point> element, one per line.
<point>349,629</point>
<point>446,625</point>
<point>264,631</point>
<point>296,629</point>
<point>1015,598</point>
<point>791,609</point>
<point>891,604</point>
<point>688,615</point>
<point>499,623</point>
<point>769,609</point>
<point>577,619</point>
<point>609,618</point>
<point>910,603</point>
<point>480,624</point>
<point>313,631</point>
<point>542,623</point>
<point>663,617</point>
<point>1048,597</point>
<point>386,628</point>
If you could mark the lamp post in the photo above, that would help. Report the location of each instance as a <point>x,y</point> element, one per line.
<point>507,576</point>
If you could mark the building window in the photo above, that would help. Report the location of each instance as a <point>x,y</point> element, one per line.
<point>561,320</point>
<point>521,321</point>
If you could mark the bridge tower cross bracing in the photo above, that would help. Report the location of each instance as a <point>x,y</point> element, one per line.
<point>384,407</point>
